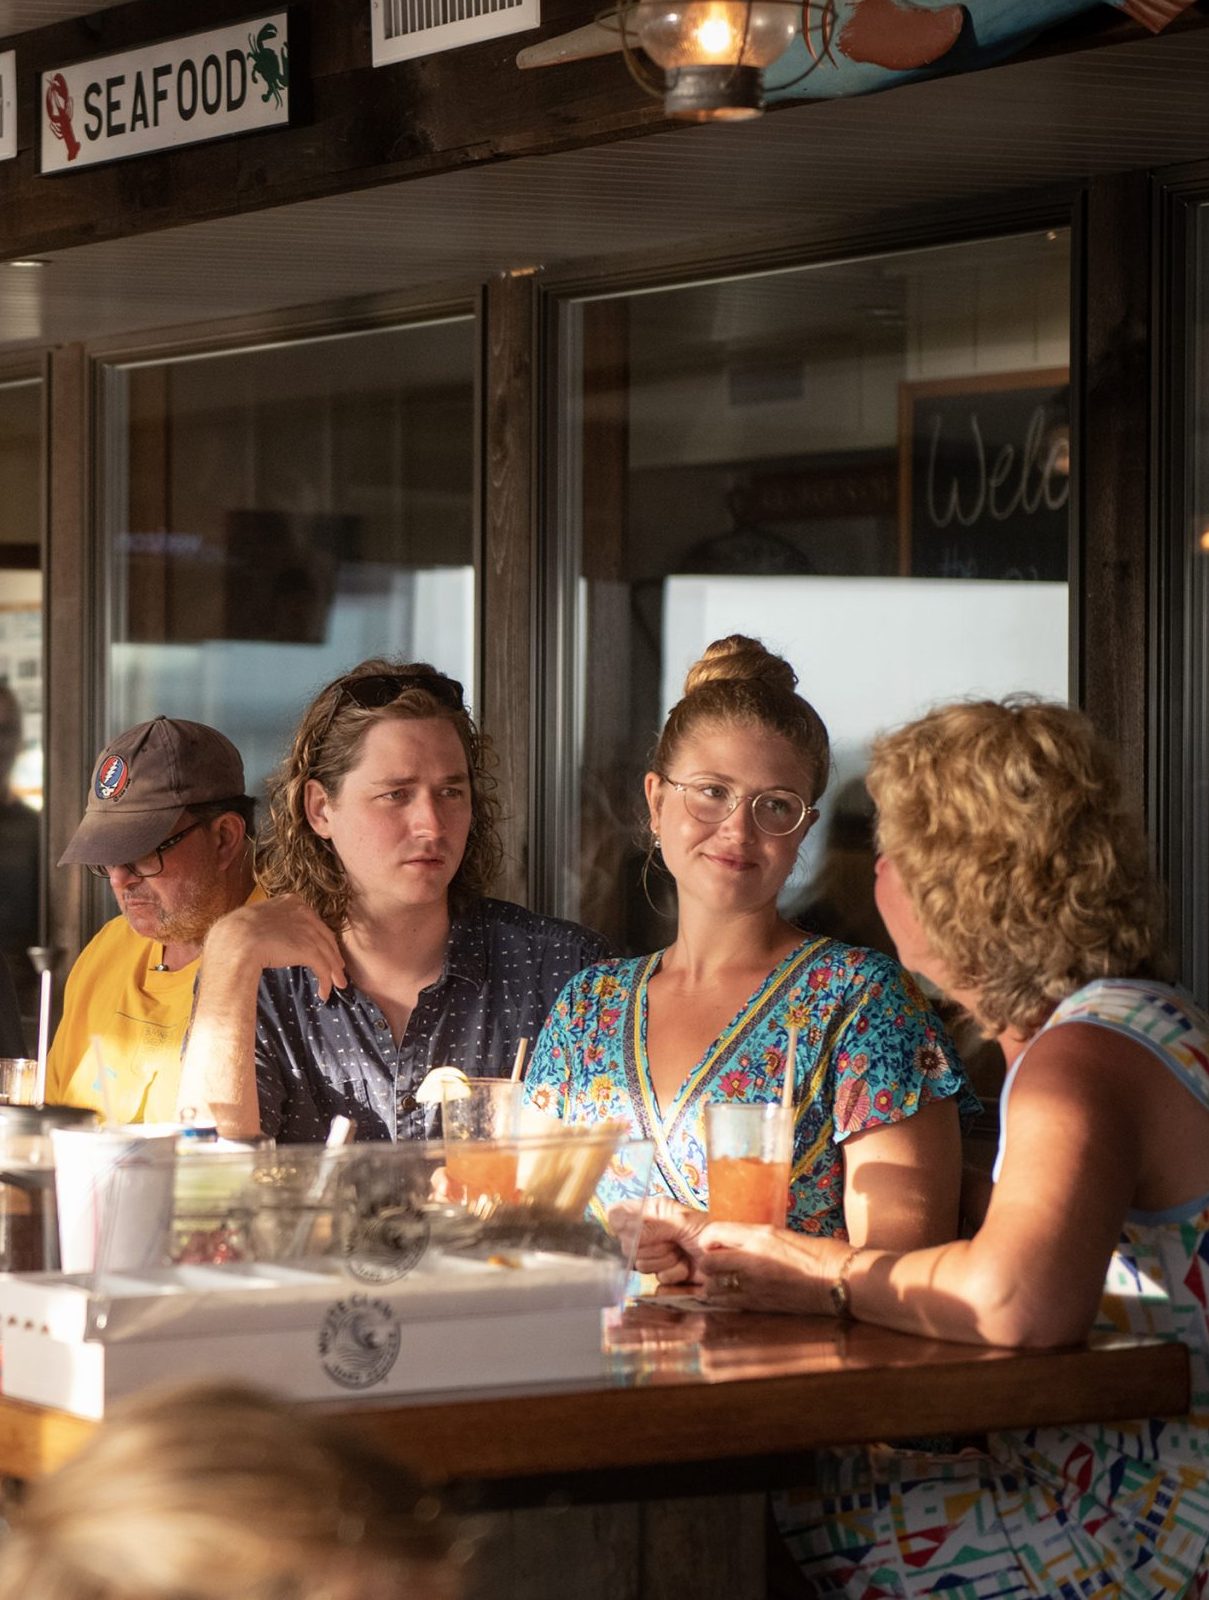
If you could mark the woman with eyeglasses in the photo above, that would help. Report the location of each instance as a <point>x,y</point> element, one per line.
<point>378,954</point>
<point>731,795</point>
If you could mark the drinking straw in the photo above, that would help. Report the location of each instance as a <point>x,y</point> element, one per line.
<point>343,1130</point>
<point>43,1036</point>
<point>791,1057</point>
<point>518,1066</point>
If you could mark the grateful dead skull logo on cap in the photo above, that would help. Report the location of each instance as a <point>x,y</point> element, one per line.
<point>112,777</point>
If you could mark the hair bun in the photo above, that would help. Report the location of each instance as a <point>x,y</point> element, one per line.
<point>738,659</point>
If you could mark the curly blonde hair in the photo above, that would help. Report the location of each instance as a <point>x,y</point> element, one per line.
<point>1027,869</point>
<point>213,1490</point>
<point>291,858</point>
<point>738,680</point>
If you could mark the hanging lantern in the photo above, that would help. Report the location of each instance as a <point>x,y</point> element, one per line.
<point>712,52</point>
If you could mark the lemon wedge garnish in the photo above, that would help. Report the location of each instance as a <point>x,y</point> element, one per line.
<point>443,1083</point>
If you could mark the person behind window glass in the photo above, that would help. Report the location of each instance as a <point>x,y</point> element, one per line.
<point>12,1032</point>
<point>19,852</point>
<point>731,795</point>
<point>378,954</point>
<point>1016,876</point>
<point>216,1492</point>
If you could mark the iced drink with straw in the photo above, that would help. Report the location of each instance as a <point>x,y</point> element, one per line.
<point>480,1126</point>
<point>749,1151</point>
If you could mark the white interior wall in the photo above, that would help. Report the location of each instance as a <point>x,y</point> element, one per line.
<point>967,311</point>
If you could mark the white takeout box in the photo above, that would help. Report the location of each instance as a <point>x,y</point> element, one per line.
<point>311,1332</point>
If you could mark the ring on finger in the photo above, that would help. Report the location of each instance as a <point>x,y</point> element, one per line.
<point>729,1282</point>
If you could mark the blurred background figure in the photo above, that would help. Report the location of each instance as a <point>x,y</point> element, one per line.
<point>20,829</point>
<point>839,898</point>
<point>840,903</point>
<point>216,1492</point>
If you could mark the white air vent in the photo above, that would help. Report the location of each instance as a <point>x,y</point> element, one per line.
<point>406,28</point>
<point>8,104</point>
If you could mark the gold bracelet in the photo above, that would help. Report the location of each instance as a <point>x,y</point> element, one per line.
<point>841,1295</point>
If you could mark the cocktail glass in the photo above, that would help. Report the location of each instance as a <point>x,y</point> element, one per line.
<point>749,1150</point>
<point>480,1127</point>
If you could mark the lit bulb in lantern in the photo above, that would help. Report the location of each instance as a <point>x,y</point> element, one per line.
<point>715,38</point>
<point>711,33</point>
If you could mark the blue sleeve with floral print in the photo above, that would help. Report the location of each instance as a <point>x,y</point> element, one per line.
<point>581,1019</point>
<point>889,1053</point>
<point>548,1074</point>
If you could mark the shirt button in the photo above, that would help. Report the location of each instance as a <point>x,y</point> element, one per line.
<point>408,1104</point>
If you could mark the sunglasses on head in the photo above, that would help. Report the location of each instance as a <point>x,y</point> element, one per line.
<point>377,689</point>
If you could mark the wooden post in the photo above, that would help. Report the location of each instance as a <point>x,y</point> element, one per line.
<point>70,655</point>
<point>1111,411</point>
<point>507,570</point>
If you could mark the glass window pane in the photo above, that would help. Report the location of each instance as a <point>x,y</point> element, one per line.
<point>866,465</point>
<point>20,679</point>
<point>275,515</point>
<point>1192,749</point>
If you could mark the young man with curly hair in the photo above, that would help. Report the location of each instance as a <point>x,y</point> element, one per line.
<point>378,954</point>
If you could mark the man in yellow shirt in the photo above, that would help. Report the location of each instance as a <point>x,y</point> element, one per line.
<point>169,825</point>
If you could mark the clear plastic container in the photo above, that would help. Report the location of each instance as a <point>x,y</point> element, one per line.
<point>382,1211</point>
<point>29,1229</point>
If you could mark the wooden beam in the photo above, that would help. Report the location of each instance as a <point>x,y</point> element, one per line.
<point>508,564</point>
<point>357,126</point>
<point>69,659</point>
<point>1112,415</point>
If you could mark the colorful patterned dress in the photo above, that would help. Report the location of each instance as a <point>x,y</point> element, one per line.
<point>1112,1510</point>
<point>870,1052</point>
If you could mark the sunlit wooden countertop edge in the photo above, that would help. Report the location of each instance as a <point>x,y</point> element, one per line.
<point>866,1384</point>
<point>971,1389</point>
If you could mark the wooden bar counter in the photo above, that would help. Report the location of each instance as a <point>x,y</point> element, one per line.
<point>730,1388</point>
<point>699,1413</point>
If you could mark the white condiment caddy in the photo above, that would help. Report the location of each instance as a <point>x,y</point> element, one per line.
<point>312,1332</point>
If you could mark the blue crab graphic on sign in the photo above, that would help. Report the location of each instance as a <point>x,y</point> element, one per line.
<point>272,69</point>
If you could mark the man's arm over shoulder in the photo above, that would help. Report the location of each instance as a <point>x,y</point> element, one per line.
<point>219,1073</point>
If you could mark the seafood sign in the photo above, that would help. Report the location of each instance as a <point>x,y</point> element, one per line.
<point>183,91</point>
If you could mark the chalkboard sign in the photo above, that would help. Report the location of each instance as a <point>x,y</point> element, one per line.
<point>984,476</point>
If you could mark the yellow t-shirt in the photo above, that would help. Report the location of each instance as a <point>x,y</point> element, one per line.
<point>140,1017</point>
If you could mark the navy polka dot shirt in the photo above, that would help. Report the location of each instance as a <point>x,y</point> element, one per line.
<point>316,1059</point>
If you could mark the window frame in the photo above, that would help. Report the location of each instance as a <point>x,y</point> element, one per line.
<point>557,779</point>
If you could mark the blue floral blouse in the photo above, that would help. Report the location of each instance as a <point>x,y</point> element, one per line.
<point>870,1052</point>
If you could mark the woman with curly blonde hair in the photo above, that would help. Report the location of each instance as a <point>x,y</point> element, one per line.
<point>378,953</point>
<point>1015,876</point>
<point>218,1492</point>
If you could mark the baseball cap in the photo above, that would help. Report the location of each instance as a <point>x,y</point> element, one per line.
<point>142,782</point>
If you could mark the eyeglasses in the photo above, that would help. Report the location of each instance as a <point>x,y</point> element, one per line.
<point>152,864</point>
<point>774,811</point>
<point>378,689</point>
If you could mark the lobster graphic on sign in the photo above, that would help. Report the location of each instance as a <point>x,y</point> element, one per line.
<point>59,111</point>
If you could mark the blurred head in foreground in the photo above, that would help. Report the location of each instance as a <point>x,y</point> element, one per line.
<point>219,1493</point>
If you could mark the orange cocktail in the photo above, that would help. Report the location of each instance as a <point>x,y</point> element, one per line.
<point>479,1120</point>
<point>749,1151</point>
<point>747,1189</point>
<point>477,1171</point>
